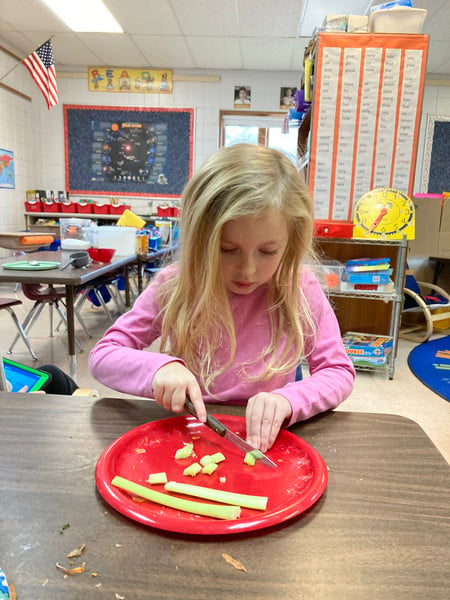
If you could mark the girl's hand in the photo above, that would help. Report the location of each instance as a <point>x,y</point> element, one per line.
<point>172,383</point>
<point>265,414</point>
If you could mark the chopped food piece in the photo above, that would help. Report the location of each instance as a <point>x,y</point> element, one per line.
<point>184,452</point>
<point>209,468</point>
<point>217,457</point>
<point>232,561</point>
<point>244,500</point>
<point>157,478</point>
<point>192,470</point>
<point>73,571</point>
<point>198,508</point>
<point>77,552</point>
<point>250,459</point>
<point>206,459</point>
<point>61,529</point>
<point>140,450</point>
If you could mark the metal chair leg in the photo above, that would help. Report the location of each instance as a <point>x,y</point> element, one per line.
<point>22,333</point>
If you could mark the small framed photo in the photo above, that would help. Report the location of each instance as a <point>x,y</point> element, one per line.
<point>287,97</point>
<point>242,96</point>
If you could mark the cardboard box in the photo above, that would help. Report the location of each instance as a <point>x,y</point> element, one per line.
<point>444,231</point>
<point>428,220</point>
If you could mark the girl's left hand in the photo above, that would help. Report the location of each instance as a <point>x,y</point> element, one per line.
<point>265,414</point>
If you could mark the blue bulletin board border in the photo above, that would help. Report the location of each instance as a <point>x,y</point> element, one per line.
<point>86,163</point>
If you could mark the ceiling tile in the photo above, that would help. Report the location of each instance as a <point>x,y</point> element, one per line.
<point>145,16</point>
<point>266,53</point>
<point>206,17</point>
<point>215,53</point>
<point>165,51</point>
<point>269,18</point>
<point>113,49</point>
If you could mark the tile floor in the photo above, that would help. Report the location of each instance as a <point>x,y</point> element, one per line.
<point>373,392</point>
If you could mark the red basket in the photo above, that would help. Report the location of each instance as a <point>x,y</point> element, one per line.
<point>33,206</point>
<point>85,208</point>
<point>118,210</point>
<point>51,206</point>
<point>102,209</point>
<point>68,207</point>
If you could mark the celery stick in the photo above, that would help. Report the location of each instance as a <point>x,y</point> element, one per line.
<point>185,451</point>
<point>192,470</point>
<point>209,468</point>
<point>157,478</point>
<point>198,508</point>
<point>244,500</point>
<point>205,460</point>
<point>250,459</point>
<point>217,457</point>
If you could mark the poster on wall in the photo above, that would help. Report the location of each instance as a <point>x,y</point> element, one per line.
<point>121,79</point>
<point>128,151</point>
<point>7,178</point>
<point>242,96</point>
<point>287,97</point>
<point>365,121</point>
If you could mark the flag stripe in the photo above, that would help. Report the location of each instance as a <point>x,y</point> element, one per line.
<point>41,66</point>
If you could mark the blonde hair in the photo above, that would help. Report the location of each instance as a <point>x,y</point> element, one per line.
<point>239,181</point>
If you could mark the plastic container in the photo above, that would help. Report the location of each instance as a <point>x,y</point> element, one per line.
<point>329,273</point>
<point>51,206</point>
<point>122,239</point>
<point>77,234</point>
<point>33,206</point>
<point>101,209</point>
<point>399,19</point>
<point>118,210</point>
<point>104,255</point>
<point>85,208</point>
<point>68,207</point>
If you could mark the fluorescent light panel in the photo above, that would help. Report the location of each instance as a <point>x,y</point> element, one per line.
<point>85,15</point>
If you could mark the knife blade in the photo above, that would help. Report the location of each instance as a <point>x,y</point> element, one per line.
<point>224,432</point>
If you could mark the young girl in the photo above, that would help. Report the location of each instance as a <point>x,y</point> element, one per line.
<point>238,311</point>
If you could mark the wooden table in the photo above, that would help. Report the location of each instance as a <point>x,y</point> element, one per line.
<point>71,278</point>
<point>380,531</point>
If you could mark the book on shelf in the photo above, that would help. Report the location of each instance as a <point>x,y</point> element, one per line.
<point>378,288</point>
<point>360,265</point>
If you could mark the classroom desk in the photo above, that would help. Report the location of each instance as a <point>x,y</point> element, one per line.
<point>379,532</point>
<point>71,278</point>
<point>154,259</point>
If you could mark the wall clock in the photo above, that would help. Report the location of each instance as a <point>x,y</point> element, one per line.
<point>384,213</point>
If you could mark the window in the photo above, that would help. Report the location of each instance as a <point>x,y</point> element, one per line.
<point>266,129</point>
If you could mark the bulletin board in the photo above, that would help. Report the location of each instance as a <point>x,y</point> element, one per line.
<point>436,158</point>
<point>366,115</point>
<point>128,151</point>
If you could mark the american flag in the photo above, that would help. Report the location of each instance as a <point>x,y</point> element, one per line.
<point>41,65</point>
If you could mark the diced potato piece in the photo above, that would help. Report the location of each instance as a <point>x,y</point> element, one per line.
<point>209,468</point>
<point>192,470</point>
<point>157,478</point>
<point>185,451</point>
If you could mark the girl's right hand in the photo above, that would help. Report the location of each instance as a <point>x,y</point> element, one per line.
<point>172,383</point>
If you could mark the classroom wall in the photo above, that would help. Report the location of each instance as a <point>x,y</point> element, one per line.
<point>36,135</point>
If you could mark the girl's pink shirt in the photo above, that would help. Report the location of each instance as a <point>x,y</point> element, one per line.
<point>119,359</point>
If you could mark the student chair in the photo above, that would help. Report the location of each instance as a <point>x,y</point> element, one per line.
<point>424,306</point>
<point>7,304</point>
<point>41,296</point>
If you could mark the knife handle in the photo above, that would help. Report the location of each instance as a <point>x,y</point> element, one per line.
<point>211,422</point>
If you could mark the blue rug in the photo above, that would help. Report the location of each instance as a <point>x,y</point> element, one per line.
<point>430,363</point>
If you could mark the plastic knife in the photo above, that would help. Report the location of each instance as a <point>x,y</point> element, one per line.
<point>224,432</point>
